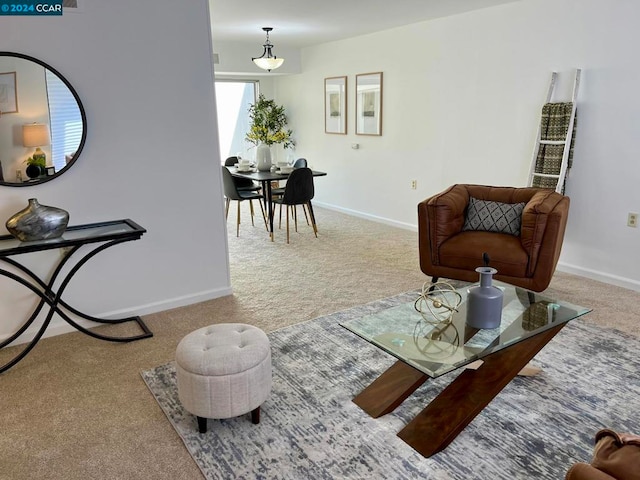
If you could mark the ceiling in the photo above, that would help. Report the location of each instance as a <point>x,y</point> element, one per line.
<point>301,23</point>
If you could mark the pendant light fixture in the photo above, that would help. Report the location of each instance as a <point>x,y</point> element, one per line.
<point>268,61</point>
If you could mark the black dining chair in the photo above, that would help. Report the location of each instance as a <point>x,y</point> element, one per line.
<point>299,190</point>
<point>299,163</point>
<point>279,191</point>
<point>231,192</point>
<point>241,183</point>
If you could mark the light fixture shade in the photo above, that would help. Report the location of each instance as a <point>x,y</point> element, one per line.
<point>268,63</point>
<point>35,135</point>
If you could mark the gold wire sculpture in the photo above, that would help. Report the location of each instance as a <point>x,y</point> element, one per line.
<point>440,299</point>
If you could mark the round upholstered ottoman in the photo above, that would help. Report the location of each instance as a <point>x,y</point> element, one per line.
<point>224,371</point>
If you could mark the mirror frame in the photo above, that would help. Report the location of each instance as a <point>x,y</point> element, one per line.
<point>375,105</point>
<point>82,114</point>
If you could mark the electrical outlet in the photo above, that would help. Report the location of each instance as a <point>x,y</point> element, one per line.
<point>632,220</point>
<point>414,184</point>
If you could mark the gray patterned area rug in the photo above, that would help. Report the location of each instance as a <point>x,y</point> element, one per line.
<point>310,429</point>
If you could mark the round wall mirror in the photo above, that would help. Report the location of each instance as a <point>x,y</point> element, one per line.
<point>43,125</point>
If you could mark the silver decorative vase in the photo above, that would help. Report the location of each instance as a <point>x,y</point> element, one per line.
<point>263,157</point>
<point>38,222</point>
<point>484,302</point>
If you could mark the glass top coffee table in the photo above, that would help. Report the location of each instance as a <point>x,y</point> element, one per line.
<point>427,348</point>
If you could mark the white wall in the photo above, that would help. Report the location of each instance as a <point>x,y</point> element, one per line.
<point>143,70</point>
<point>462,100</point>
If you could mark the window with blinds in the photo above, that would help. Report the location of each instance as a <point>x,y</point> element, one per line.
<point>65,120</point>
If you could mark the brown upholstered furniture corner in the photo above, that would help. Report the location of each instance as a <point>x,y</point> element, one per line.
<point>615,457</point>
<point>528,260</point>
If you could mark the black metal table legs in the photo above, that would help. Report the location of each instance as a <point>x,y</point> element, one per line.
<point>53,298</point>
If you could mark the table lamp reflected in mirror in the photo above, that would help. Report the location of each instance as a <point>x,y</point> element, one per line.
<point>36,135</point>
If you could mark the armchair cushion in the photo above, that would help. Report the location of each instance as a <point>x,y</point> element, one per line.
<point>489,216</point>
<point>465,251</point>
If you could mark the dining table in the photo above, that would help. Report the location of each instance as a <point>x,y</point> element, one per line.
<point>265,179</point>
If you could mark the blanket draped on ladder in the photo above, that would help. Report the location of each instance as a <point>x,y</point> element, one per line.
<point>554,124</point>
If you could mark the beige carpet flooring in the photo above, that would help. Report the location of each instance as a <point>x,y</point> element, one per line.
<point>77,408</point>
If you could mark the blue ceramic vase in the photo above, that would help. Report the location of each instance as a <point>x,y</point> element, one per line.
<point>484,301</point>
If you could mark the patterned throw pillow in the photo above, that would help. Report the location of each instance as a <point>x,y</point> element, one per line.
<point>490,216</point>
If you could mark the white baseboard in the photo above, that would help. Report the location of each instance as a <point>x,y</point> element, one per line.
<point>600,276</point>
<point>58,326</point>
<point>174,302</point>
<point>367,216</point>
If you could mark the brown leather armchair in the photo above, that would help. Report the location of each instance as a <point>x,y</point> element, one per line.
<point>527,260</point>
<point>615,457</point>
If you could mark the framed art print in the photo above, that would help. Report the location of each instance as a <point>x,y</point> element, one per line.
<point>335,105</point>
<point>369,104</point>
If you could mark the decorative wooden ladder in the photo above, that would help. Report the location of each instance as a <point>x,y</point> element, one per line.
<point>545,172</point>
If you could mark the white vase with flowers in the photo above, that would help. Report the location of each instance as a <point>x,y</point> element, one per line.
<point>268,127</point>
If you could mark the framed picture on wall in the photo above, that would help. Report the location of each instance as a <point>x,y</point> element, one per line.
<point>8,93</point>
<point>335,105</point>
<point>369,103</point>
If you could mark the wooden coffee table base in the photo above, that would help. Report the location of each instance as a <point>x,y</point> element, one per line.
<point>449,413</point>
